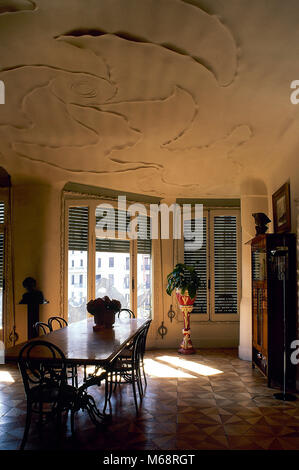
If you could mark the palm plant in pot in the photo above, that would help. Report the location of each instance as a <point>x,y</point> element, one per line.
<point>185,280</point>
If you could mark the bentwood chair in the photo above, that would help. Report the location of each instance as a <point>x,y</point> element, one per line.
<point>62,323</point>
<point>129,368</point>
<point>46,387</point>
<point>73,371</point>
<point>44,382</point>
<point>125,313</point>
<point>41,327</point>
<point>143,346</point>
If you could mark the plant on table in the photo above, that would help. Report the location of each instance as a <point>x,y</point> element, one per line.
<point>103,309</point>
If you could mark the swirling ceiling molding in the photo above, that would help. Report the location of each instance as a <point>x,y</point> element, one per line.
<point>96,56</point>
<point>216,47</point>
<point>64,130</point>
<point>132,168</point>
<point>240,128</point>
<point>156,166</point>
<point>139,40</point>
<point>90,45</point>
<point>245,134</point>
<point>70,100</point>
<point>101,120</point>
<point>189,122</point>
<point>15,6</point>
<point>26,78</point>
<point>221,150</point>
<point>93,135</point>
<point>158,119</point>
<point>195,4</point>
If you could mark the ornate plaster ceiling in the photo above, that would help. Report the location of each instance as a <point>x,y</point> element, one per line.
<point>164,97</point>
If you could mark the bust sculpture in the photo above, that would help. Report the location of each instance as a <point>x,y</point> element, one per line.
<point>32,296</point>
<point>261,221</point>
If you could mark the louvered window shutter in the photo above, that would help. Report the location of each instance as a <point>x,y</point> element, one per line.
<point>225,265</point>
<point>198,259</point>
<point>2,208</point>
<point>78,228</point>
<point>113,245</point>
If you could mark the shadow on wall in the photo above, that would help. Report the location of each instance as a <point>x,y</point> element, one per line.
<point>253,187</point>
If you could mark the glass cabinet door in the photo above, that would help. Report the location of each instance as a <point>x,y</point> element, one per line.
<point>259,265</point>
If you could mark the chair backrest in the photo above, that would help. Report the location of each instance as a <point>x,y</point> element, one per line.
<point>125,313</point>
<point>42,364</point>
<point>42,328</point>
<point>139,343</point>
<point>144,336</point>
<point>62,323</point>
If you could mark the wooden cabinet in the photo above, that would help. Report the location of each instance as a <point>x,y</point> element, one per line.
<point>273,281</point>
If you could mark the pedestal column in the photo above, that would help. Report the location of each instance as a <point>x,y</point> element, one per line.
<point>186,306</point>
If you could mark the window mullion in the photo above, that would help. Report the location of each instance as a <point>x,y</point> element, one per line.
<point>211,266</point>
<point>91,252</point>
<point>210,284</point>
<point>133,275</point>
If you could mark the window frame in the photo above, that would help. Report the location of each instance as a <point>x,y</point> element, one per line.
<point>225,316</point>
<point>92,203</point>
<point>211,316</point>
<point>4,197</point>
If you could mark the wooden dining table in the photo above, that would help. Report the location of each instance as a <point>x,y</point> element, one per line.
<point>82,345</point>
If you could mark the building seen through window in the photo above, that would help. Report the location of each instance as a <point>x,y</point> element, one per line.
<point>112,281</point>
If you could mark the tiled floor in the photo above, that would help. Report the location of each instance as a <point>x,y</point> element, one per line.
<point>211,400</point>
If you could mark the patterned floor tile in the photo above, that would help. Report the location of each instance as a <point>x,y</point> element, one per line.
<point>232,410</point>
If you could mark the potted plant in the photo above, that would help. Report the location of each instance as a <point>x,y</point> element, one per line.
<point>185,280</point>
<point>103,310</point>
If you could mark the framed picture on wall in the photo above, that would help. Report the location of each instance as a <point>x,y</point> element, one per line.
<point>282,209</point>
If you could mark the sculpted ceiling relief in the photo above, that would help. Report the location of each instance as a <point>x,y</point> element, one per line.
<point>165,96</point>
<point>12,6</point>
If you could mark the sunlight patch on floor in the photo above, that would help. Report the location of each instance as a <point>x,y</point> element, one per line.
<point>191,366</point>
<point>6,377</point>
<point>156,369</point>
<point>90,370</point>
